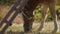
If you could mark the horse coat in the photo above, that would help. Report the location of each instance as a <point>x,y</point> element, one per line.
<point>29,8</point>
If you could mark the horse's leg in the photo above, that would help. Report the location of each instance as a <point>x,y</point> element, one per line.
<point>28,20</point>
<point>54,16</point>
<point>44,15</point>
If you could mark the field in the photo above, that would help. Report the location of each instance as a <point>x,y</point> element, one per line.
<point>17,27</point>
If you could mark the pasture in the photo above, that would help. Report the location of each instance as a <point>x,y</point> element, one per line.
<point>18,28</point>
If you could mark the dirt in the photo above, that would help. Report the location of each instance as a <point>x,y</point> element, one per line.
<point>5,9</point>
<point>48,26</point>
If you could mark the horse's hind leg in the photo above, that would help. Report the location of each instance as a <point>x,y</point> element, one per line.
<point>44,15</point>
<point>28,21</point>
<point>54,16</point>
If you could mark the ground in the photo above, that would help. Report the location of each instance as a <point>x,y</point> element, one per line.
<point>18,28</point>
<point>17,25</point>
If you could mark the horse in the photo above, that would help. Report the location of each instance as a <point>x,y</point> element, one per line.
<point>28,14</point>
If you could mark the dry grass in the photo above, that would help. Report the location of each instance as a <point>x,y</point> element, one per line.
<point>18,28</point>
<point>3,11</point>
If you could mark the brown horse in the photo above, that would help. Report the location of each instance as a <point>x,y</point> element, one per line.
<point>28,13</point>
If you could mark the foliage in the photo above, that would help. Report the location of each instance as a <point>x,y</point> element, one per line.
<point>7,2</point>
<point>37,13</point>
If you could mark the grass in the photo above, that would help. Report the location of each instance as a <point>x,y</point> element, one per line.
<point>18,28</point>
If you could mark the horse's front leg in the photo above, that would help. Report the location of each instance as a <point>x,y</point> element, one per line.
<point>54,16</point>
<point>28,21</point>
<point>44,15</point>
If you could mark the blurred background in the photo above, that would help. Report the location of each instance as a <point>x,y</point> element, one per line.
<point>5,6</point>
